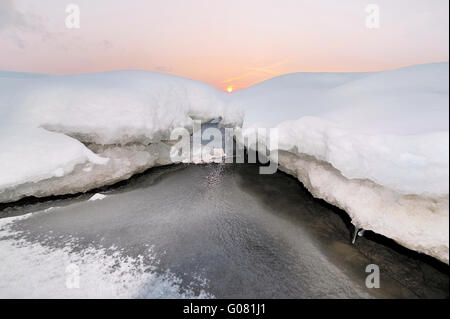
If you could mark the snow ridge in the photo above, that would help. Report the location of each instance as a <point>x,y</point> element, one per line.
<point>69,134</point>
<point>373,144</point>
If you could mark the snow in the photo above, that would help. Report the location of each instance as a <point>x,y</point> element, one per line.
<point>54,155</point>
<point>97,196</point>
<point>32,270</point>
<point>68,134</point>
<point>374,144</point>
<point>118,107</point>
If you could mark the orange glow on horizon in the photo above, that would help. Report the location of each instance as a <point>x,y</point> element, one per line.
<point>199,40</point>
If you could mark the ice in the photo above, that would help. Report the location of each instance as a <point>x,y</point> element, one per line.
<point>68,134</point>
<point>32,270</point>
<point>97,196</point>
<point>374,144</point>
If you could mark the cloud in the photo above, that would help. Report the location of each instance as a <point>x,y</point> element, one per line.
<point>17,24</point>
<point>17,41</point>
<point>11,17</point>
<point>107,44</point>
<point>163,69</point>
<point>257,72</point>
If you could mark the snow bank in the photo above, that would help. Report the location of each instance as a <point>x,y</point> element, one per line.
<point>54,155</point>
<point>66,134</point>
<point>374,144</point>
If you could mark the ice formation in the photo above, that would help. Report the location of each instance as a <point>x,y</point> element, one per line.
<point>374,144</point>
<point>69,134</point>
<point>33,270</point>
<point>97,196</point>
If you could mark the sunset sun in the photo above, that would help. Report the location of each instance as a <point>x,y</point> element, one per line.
<point>229,89</point>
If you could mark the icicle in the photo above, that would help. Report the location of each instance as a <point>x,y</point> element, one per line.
<point>358,232</point>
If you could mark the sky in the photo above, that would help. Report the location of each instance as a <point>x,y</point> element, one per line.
<point>233,43</point>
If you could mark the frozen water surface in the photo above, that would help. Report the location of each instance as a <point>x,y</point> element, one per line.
<point>205,230</point>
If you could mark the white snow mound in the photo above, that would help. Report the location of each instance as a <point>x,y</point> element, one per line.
<point>375,144</point>
<point>67,134</point>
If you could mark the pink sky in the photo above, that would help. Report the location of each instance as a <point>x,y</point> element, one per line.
<point>234,42</point>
